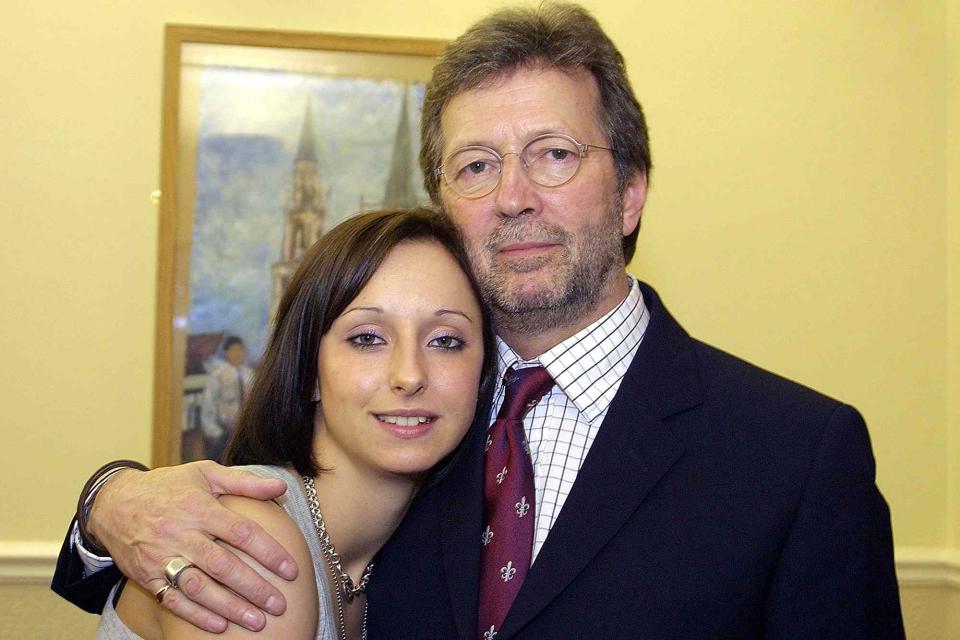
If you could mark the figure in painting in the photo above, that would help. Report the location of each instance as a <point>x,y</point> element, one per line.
<point>223,394</point>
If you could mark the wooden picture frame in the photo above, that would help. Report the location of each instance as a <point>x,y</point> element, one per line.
<point>230,105</point>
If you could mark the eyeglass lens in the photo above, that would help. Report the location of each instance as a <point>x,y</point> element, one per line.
<point>549,161</point>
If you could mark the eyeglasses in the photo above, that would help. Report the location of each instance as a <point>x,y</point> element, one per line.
<point>550,160</point>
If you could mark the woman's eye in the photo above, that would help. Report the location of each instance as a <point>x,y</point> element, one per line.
<point>365,339</point>
<point>447,342</point>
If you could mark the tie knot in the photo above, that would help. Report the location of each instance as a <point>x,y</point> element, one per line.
<point>525,387</point>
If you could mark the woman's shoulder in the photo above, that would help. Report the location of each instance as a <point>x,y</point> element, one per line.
<point>293,502</point>
<point>267,513</point>
<point>278,517</point>
<point>273,471</point>
<point>300,619</point>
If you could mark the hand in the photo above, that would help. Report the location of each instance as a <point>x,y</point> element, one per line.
<point>145,519</point>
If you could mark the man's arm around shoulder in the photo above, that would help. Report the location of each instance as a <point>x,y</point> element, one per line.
<point>145,519</point>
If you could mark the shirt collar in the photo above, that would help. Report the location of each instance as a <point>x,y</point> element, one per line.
<point>589,365</point>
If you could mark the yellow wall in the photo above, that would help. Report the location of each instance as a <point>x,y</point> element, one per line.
<point>953,181</point>
<point>798,211</point>
<point>801,215</point>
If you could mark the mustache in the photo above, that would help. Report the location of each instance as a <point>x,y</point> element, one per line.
<point>514,230</point>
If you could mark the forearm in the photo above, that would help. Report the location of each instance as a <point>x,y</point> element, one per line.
<point>86,519</point>
<point>80,542</point>
<point>85,573</point>
<point>74,583</point>
<point>92,562</point>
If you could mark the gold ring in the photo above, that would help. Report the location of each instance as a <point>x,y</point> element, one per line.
<point>162,592</point>
<point>174,568</point>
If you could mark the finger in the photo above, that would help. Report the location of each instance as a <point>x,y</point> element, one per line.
<point>182,607</point>
<point>222,566</point>
<point>249,537</point>
<point>225,480</point>
<point>204,594</point>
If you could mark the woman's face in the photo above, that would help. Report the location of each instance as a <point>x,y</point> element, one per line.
<point>400,367</point>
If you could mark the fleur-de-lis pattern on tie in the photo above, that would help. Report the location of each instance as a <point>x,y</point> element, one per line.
<point>487,535</point>
<point>507,572</point>
<point>508,499</point>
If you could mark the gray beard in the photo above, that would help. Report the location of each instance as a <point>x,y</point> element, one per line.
<point>583,283</point>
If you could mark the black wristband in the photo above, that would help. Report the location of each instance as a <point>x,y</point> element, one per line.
<point>89,494</point>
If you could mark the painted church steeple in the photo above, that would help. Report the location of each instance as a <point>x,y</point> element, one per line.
<point>400,192</point>
<point>306,210</point>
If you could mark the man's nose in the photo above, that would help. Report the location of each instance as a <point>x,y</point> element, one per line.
<point>516,194</point>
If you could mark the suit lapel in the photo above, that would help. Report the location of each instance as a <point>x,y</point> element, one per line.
<point>460,513</point>
<point>633,449</point>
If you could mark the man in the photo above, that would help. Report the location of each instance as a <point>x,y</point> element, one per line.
<point>223,393</point>
<point>678,492</point>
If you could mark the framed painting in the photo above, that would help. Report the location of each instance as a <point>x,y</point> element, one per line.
<point>269,138</point>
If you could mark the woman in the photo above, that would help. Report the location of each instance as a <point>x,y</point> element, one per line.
<point>368,384</point>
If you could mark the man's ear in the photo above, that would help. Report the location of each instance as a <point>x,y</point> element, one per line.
<point>634,197</point>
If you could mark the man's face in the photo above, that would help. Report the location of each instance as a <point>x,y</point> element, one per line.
<point>547,250</point>
<point>236,354</point>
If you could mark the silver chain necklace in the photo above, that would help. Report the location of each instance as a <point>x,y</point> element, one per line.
<point>343,586</point>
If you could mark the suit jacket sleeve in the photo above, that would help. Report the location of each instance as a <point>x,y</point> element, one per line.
<point>836,577</point>
<point>89,592</point>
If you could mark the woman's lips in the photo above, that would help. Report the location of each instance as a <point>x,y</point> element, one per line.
<point>406,423</point>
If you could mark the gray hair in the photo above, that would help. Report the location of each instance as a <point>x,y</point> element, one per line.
<point>554,35</point>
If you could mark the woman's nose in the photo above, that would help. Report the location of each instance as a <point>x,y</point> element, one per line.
<point>407,372</point>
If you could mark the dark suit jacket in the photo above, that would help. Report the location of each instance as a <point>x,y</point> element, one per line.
<point>717,501</point>
<point>89,593</point>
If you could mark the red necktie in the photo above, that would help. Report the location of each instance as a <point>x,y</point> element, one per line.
<point>508,499</point>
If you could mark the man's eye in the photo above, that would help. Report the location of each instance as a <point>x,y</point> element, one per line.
<point>476,168</point>
<point>558,155</point>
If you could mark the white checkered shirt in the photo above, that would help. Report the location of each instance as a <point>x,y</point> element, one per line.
<point>587,368</point>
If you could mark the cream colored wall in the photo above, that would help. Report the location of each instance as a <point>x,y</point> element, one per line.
<point>799,216</point>
<point>33,612</point>
<point>953,181</point>
<point>798,211</point>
